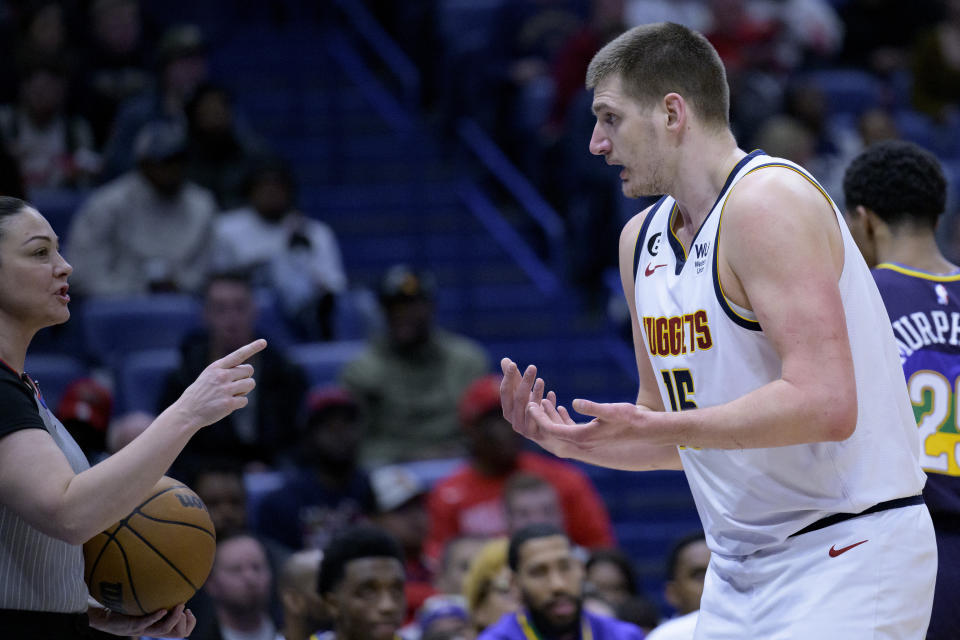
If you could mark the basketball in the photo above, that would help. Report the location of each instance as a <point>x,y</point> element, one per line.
<point>155,558</point>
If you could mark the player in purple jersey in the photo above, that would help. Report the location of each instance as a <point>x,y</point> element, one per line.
<point>895,191</point>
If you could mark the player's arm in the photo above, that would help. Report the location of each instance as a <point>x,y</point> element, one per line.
<point>781,254</point>
<point>618,449</point>
<point>37,482</point>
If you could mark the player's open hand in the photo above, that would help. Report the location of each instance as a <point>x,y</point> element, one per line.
<point>175,623</point>
<point>221,388</point>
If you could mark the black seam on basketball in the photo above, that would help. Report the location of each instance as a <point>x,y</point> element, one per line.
<point>133,588</point>
<point>93,568</point>
<point>177,522</point>
<point>162,557</point>
<point>154,496</point>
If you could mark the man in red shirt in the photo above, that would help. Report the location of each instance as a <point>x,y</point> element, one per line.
<point>470,500</point>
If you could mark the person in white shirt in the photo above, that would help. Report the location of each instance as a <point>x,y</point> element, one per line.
<point>295,255</point>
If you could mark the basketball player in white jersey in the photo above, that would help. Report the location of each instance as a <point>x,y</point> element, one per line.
<point>768,369</point>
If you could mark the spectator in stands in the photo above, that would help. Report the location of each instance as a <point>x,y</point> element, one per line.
<point>84,409</point>
<point>303,610</point>
<point>607,20</point>
<point>549,579</point>
<point>53,146</point>
<point>181,59</point>
<point>935,66</point>
<point>470,500</point>
<point>610,573</point>
<point>686,570</point>
<point>401,512</point>
<point>455,562</point>
<point>327,491</point>
<point>220,151</point>
<point>529,499</point>
<point>220,485</point>
<point>41,30</point>
<point>410,380</point>
<point>529,35</point>
<point>295,255</point>
<point>115,62</point>
<point>125,428</point>
<point>239,588</point>
<point>878,35</point>
<point>264,430</point>
<point>442,617</point>
<point>361,582</point>
<point>148,230</point>
<point>488,586</point>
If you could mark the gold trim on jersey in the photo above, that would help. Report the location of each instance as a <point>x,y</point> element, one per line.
<point>916,273</point>
<point>729,304</point>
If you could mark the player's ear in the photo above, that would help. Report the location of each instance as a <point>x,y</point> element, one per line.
<point>675,108</point>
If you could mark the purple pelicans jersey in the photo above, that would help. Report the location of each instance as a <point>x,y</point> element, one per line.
<point>924,312</point>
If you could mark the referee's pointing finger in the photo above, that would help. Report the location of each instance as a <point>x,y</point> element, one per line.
<point>241,354</point>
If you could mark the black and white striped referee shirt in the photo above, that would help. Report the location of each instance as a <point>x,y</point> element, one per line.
<point>37,572</point>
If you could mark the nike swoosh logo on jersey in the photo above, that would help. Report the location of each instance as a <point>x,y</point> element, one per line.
<point>834,552</point>
<point>649,271</point>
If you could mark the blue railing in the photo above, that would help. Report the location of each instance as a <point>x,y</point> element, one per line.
<point>485,150</point>
<point>367,27</point>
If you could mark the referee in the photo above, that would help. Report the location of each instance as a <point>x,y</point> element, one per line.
<point>51,502</point>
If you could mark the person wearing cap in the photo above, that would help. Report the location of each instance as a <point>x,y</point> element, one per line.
<point>181,64</point>
<point>470,500</point>
<point>442,617</point>
<point>148,230</point>
<point>327,490</point>
<point>401,511</point>
<point>84,409</point>
<point>410,379</point>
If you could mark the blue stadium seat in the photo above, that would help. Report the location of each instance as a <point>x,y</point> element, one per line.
<point>357,315</point>
<point>322,361</point>
<point>114,327</point>
<point>848,90</point>
<point>140,378</point>
<point>58,207</point>
<point>53,373</point>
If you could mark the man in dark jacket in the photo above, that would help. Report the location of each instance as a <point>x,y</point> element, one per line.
<point>266,427</point>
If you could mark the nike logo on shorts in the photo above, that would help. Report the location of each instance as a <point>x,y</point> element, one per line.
<point>834,552</point>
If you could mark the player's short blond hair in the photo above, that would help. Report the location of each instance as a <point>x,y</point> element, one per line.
<point>653,60</point>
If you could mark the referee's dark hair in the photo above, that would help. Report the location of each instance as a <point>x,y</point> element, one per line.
<point>354,543</point>
<point>899,181</point>
<point>526,534</point>
<point>9,207</point>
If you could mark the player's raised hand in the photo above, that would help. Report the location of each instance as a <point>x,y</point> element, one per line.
<point>516,392</point>
<point>221,388</point>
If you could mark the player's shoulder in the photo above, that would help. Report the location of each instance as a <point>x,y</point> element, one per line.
<point>768,186</point>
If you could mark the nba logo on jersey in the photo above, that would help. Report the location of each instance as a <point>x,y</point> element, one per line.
<point>942,296</point>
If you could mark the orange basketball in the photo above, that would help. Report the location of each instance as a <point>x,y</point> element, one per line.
<point>155,558</point>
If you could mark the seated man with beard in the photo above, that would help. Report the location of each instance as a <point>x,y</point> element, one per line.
<point>549,578</point>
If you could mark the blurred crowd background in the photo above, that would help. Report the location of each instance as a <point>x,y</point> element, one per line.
<point>397,195</point>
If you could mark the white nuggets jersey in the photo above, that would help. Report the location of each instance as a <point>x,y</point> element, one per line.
<point>706,351</point>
